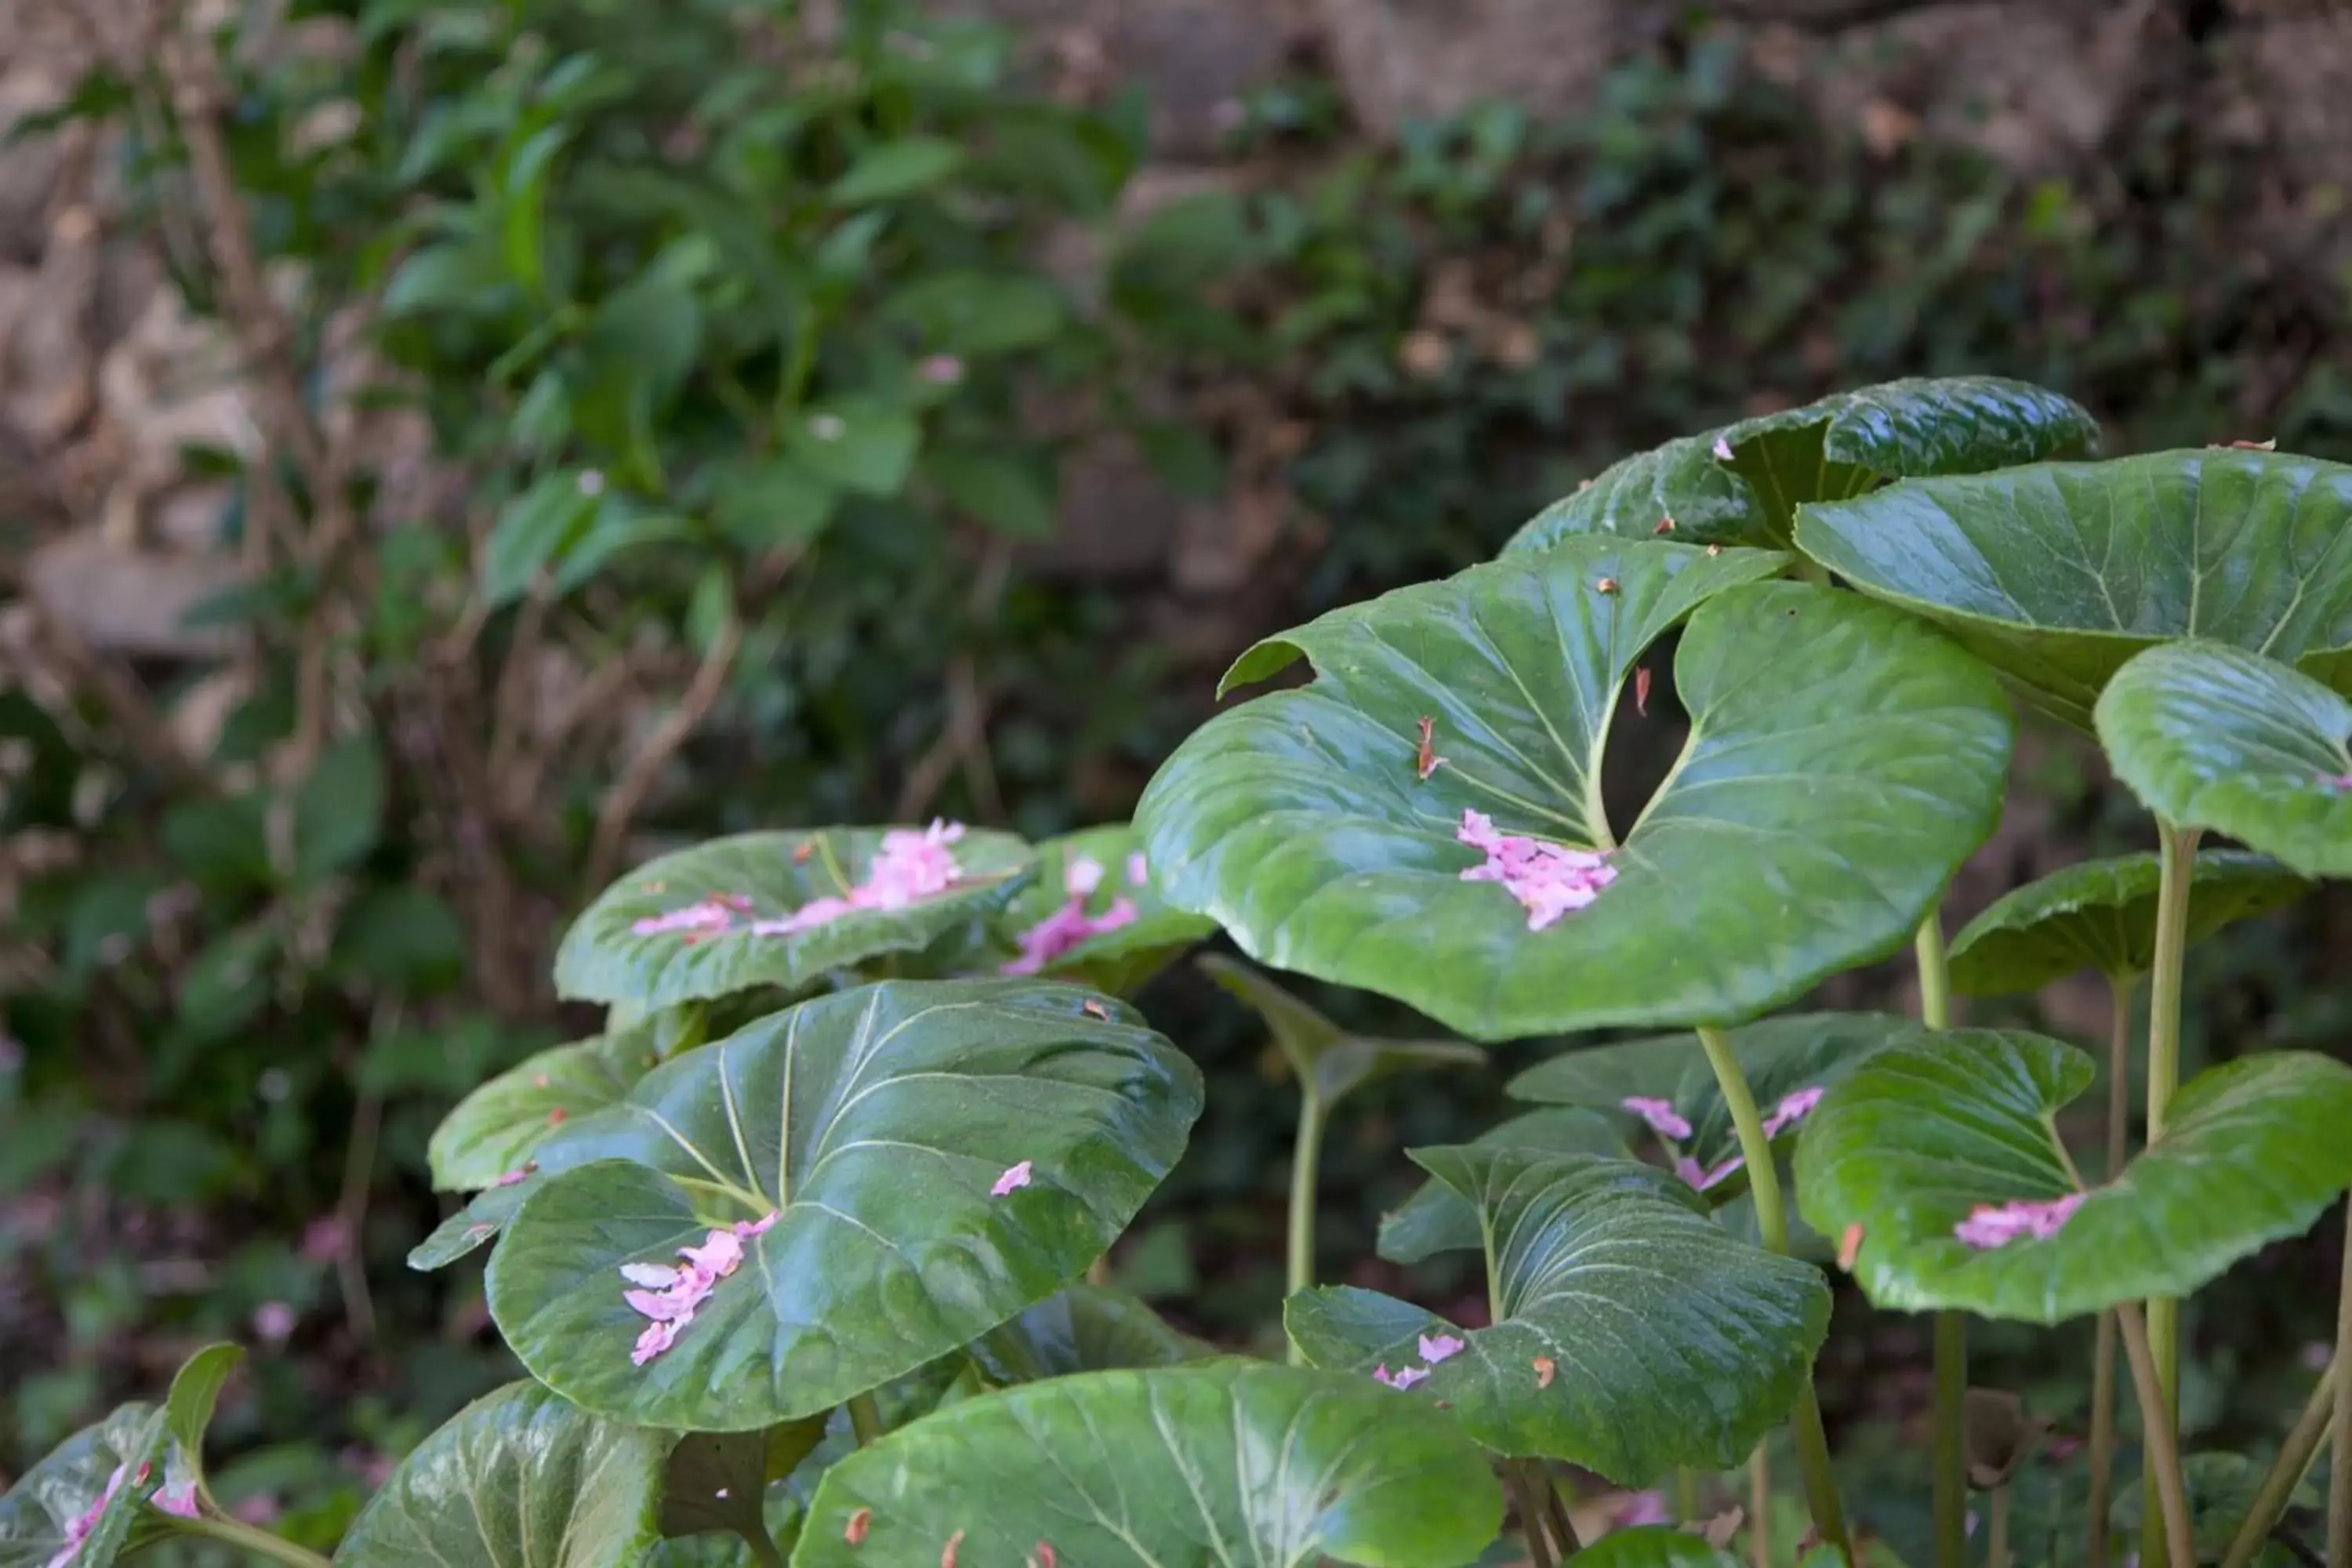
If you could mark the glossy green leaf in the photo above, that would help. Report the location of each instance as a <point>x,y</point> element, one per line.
<point>877,1120</point>
<point>1841,445</point>
<point>895,169</point>
<point>1223,1462</point>
<point>2057,575</point>
<point>856,446</point>
<point>1438,1219</point>
<point>188,1413</point>
<point>1810,821</point>
<point>517,1480</point>
<point>604,959</point>
<point>494,1131</point>
<point>1087,1328</point>
<point>1668,1342</point>
<point>1330,1061</point>
<point>1654,1546</point>
<point>1924,1133</point>
<point>1778,1056</point>
<point>2101,915</point>
<point>90,1490</point>
<point>2211,736</point>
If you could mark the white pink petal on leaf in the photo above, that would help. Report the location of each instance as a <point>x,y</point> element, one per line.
<point>1661,1115</point>
<point>1435,1348</point>
<point>1014,1180</point>
<point>652,1276</point>
<point>1997,1225</point>
<point>180,1502</point>
<point>1637,1509</point>
<point>1696,1176</point>
<point>1548,879</point>
<point>675,1294</point>
<point>747,1228</point>
<point>1403,1377</point>
<point>1081,877</point>
<point>1722,450</point>
<point>1139,869</point>
<point>1067,928</point>
<point>705,915</point>
<point>721,1255</point>
<point>1794,1107</point>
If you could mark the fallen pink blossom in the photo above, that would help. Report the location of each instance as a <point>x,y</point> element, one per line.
<point>515,1177</point>
<point>1794,1107</point>
<point>1722,450</point>
<point>747,1228</point>
<point>1659,1114</point>
<point>1997,1225</point>
<point>1548,879</point>
<point>909,867</point>
<point>1082,876</point>
<point>1066,929</point>
<point>1435,1348</point>
<point>1014,1180</point>
<point>1139,869</point>
<point>670,1295</point>
<point>708,914</point>
<point>1696,1176</point>
<point>180,1502</point>
<point>1637,1509</point>
<point>1403,1377</point>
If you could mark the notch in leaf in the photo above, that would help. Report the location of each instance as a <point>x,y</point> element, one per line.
<point>1230,1460</point>
<point>1946,1153</point>
<point>1742,484</point>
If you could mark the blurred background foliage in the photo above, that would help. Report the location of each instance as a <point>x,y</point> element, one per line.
<point>646,423</point>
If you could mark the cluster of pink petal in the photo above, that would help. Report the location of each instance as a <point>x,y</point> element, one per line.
<point>1998,1225</point>
<point>1070,925</point>
<point>1549,880</point>
<point>1794,1107</point>
<point>670,1296</point>
<point>1699,1176</point>
<point>1435,1347</point>
<point>909,868</point>
<point>1659,1114</point>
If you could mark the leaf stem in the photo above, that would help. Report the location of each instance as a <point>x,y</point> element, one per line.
<point>1685,1495</point>
<point>2286,1471</point>
<point>864,1420</point>
<point>2177,865</point>
<point>2163,1446</point>
<point>764,1549</point>
<point>2339,1463</point>
<point>1760,1509</point>
<point>1772,1222</point>
<point>1528,1486</point>
<point>1306,1158</point>
<point>2120,988</point>
<point>260,1543</point>
<point>1951,1353</point>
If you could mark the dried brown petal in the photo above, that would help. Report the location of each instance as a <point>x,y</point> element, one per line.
<point>859,1524</point>
<point>1546,1368</point>
<point>948,1552</point>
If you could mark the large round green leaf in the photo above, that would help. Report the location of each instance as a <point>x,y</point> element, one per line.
<point>1923,1136</point>
<point>2101,915</point>
<point>1788,1061</point>
<point>1438,1219</point>
<point>1327,1060</point>
<point>2058,574</point>
<point>1741,484</point>
<point>494,1131</point>
<point>1222,1462</point>
<point>941,1155</point>
<point>1812,819</point>
<point>1117,958</point>
<point>1087,1328</point>
<point>517,1480</point>
<point>686,926</point>
<point>78,1501</point>
<point>1632,1335</point>
<point>2211,736</point>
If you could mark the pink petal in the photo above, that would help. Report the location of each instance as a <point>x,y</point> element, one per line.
<point>808,917</point>
<point>1013,1179</point>
<point>512,1177</point>
<point>1794,1107</point>
<point>1722,450</point>
<point>708,914</point>
<point>1695,1175</point>
<point>657,1338</point>
<point>1639,1509</point>
<point>179,1501</point>
<point>1659,1114</point>
<point>1139,869</point>
<point>1403,1377</point>
<point>663,1305</point>
<point>652,1276</point>
<point>1997,1225</point>
<point>720,1255</point>
<point>747,1228</point>
<point>1438,1347</point>
<point>1082,876</point>
<point>1548,879</point>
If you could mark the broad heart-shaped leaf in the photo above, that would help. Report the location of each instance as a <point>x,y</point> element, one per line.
<point>1438,1219</point>
<point>772,875</point>
<point>517,1480</point>
<point>1923,1134</point>
<point>1654,1546</point>
<point>1843,762</point>
<point>494,1131</point>
<point>1119,961</point>
<point>1841,445</point>
<point>1086,1328</point>
<point>1327,1059</point>
<point>2058,574</point>
<point>1222,1462</point>
<point>876,1120</point>
<point>2209,736</point>
<point>2101,915</point>
<point>1668,1342</point>
<point>89,1490</point>
<point>1778,1056</point>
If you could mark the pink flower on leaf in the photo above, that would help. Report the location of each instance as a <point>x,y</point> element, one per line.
<point>1548,879</point>
<point>1997,1225</point>
<point>1139,869</point>
<point>669,1295</point>
<point>1794,1108</point>
<point>1403,1377</point>
<point>1659,1114</point>
<point>1696,1176</point>
<point>1722,450</point>
<point>1435,1348</point>
<point>1013,1180</point>
<point>708,915</point>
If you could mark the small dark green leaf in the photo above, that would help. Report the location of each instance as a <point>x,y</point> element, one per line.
<point>1086,1328</point>
<point>895,169</point>
<point>1327,1059</point>
<point>339,809</point>
<point>1633,1335</point>
<point>517,1480</point>
<point>975,313</point>
<point>1925,1134</point>
<point>2056,574</point>
<point>1742,484</point>
<point>1227,1461</point>
<point>77,1504</point>
<point>773,504</point>
<point>1010,494</point>
<point>1438,1219</point>
<point>494,1131</point>
<point>2101,915</point>
<point>188,1411</point>
<point>532,532</point>
<point>877,1123</point>
<point>757,876</point>
<point>861,448</point>
<point>2211,736</point>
